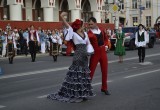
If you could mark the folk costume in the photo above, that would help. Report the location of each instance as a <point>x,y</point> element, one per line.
<point>4,43</point>
<point>33,43</point>
<point>11,46</point>
<point>119,49</point>
<point>43,36</point>
<point>141,40</point>
<point>54,46</point>
<point>98,40</point>
<point>77,83</point>
<point>26,38</point>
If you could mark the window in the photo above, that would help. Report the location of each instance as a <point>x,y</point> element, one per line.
<point>148,21</point>
<point>135,20</point>
<point>121,5</point>
<point>148,3</point>
<point>134,4</point>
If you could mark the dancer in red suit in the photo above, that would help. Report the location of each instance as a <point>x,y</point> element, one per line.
<point>98,40</point>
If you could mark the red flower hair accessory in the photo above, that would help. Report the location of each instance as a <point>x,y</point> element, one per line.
<point>77,24</point>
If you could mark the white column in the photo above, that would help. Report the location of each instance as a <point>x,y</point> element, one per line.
<point>48,14</point>
<point>128,13</point>
<point>15,12</point>
<point>75,14</point>
<point>97,15</point>
<point>116,21</point>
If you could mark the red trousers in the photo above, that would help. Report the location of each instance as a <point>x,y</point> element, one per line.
<point>69,48</point>
<point>101,57</point>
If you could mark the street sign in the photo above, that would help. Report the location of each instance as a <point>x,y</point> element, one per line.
<point>115,8</point>
<point>142,8</point>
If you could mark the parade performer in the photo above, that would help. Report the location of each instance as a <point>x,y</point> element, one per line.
<point>33,43</point>
<point>54,45</point>
<point>141,40</point>
<point>119,45</point>
<point>11,46</point>
<point>98,40</point>
<point>77,83</point>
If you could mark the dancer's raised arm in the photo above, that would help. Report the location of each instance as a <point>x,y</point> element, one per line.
<point>63,15</point>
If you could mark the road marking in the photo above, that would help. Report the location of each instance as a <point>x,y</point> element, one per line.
<point>146,63</point>
<point>1,106</point>
<point>95,84</point>
<point>31,73</point>
<point>149,72</point>
<point>63,68</point>
<point>43,96</point>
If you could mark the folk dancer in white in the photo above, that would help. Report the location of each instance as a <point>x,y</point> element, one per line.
<point>54,45</point>
<point>11,46</point>
<point>141,40</point>
<point>33,43</point>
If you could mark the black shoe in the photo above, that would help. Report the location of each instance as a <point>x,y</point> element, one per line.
<point>105,92</point>
<point>85,99</point>
<point>33,60</point>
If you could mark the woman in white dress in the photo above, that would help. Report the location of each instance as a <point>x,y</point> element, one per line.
<point>77,83</point>
<point>11,46</point>
<point>54,44</point>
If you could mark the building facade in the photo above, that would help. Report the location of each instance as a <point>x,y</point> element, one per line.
<point>130,12</point>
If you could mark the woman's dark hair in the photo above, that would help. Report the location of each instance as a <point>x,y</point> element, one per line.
<point>141,25</point>
<point>92,19</point>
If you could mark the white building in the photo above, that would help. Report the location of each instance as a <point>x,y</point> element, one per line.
<point>49,10</point>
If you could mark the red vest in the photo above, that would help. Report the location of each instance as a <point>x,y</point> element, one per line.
<point>93,38</point>
<point>34,35</point>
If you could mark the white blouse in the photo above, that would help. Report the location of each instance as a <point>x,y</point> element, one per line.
<point>11,37</point>
<point>77,39</point>
<point>143,43</point>
<point>56,39</point>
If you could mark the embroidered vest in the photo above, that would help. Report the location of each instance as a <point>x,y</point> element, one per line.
<point>34,36</point>
<point>98,42</point>
<point>9,39</point>
<point>140,37</point>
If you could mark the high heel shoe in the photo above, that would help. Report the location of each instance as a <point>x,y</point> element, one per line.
<point>105,92</point>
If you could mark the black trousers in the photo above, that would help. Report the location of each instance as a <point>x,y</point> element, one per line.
<point>141,54</point>
<point>25,48</point>
<point>11,52</point>
<point>33,49</point>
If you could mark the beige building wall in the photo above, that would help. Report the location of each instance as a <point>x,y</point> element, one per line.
<point>151,12</point>
<point>132,15</point>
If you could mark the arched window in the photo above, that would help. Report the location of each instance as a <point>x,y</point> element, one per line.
<point>38,13</point>
<point>5,9</point>
<point>86,10</point>
<point>65,7</point>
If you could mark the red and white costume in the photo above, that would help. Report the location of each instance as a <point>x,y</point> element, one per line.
<point>98,40</point>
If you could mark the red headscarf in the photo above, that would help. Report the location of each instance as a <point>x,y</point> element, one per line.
<point>76,24</point>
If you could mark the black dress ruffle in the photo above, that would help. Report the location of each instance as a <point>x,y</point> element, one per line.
<point>77,83</point>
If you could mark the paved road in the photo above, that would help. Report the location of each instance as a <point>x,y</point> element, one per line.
<point>133,86</point>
